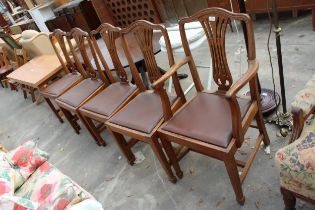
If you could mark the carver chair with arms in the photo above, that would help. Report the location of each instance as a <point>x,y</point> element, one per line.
<point>71,75</point>
<point>74,98</point>
<point>141,117</point>
<point>101,107</point>
<point>214,123</point>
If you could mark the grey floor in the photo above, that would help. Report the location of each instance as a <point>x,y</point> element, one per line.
<point>104,172</point>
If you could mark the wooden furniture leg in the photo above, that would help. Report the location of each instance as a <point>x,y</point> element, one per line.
<point>39,99</point>
<point>32,92</point>
<point>71,120</point>
<point>231,168</point>
<point>93,130</point>
<point>172,156</point>
<point>24,92</point>
<point>288,198</point>
<point>121,141</point>
<point>157,149</point>
<point>56,111</point>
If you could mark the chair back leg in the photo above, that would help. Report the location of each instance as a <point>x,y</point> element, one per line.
<point>288,198</point>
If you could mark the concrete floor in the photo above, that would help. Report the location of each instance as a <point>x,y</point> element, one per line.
<point>104,172</point>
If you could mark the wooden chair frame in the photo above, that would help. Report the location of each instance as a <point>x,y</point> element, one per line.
<point>86,69</point>
<point>143,32</point>
<point>109,34</point>
<point>59,37</point>
<point>226,89</point>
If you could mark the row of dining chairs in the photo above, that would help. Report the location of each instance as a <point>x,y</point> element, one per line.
<point>211,123</point>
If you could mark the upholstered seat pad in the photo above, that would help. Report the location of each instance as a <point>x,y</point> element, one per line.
<point>106,102</point>
<point>5,69</point>
<point>207,118</point>
<point>296,162</point>
<point>142,114</point>
<point>60,86</point>
<point>76,95</point>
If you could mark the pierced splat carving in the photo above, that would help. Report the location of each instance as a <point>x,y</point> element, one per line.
<point>215,29</point>
<point>109,34</point>
<point>82,39</point>
<point>58,37</point>
<point>144,36</point>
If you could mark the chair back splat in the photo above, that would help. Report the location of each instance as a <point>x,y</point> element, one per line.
<point>85,47</point>
<point>214,25</point>
<point>143,32</point>
<point>58,41</point>
<point>109,34</point>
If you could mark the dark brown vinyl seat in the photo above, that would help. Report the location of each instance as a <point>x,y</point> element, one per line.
<point>144,119</point>
<point>60,86</point>
<point>213,126</point>
<point>79,93</point>
<point>109,99</point>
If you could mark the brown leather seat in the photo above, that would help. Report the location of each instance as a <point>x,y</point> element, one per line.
<point>76,95</point>
<point>205,119</point>
<point>106,102</point>
<point>60,86</point>
<point>142,113</point>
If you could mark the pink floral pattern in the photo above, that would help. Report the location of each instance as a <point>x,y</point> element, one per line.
<point>305,99</point>
<point>27,158</point>
<point>297,165</point>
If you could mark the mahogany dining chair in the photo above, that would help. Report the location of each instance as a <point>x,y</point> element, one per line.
<point>142,116</point>
<point>74,98</point>
<point>110,100</point>
<point>215,123</point>
<point>71,77</point>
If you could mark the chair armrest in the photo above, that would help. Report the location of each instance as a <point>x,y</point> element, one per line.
<point>298,123</point>
<point>253,67</point>
<point>169,73</point>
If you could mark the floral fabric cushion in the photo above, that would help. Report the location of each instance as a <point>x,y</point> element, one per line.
<point>297,165</point>
<point>7,175</point>
<point>10,202</point>
<point>49,187</point>
<point>27,158</point>
<point>305,99</point>
<point>10,179</point>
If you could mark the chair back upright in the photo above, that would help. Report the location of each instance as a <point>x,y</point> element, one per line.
<point>214,22</point>
<point>143,32</point>
<point>20,56</point>
<point>108,34</point>
<point>4,61</point>
<point>59,43</point>
<point>85,56</point>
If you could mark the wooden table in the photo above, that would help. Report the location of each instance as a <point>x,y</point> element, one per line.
<point>37,71</point>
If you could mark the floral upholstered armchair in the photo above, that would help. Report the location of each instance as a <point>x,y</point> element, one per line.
<point>296,161</point>
<point>28,181</point>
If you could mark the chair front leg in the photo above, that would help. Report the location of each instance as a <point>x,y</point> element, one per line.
<point>93,130</point>
<point>71,120</point>
<point>157,149</point>
<point>288,198</point>
<point>55,111</point>
<point>172,156</point>
<point>231,168</point>
<point>123,145</point>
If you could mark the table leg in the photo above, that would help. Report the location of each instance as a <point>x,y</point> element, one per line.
<point>39,99</point>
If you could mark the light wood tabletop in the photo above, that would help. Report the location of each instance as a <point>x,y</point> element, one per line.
<point>37,71</point>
